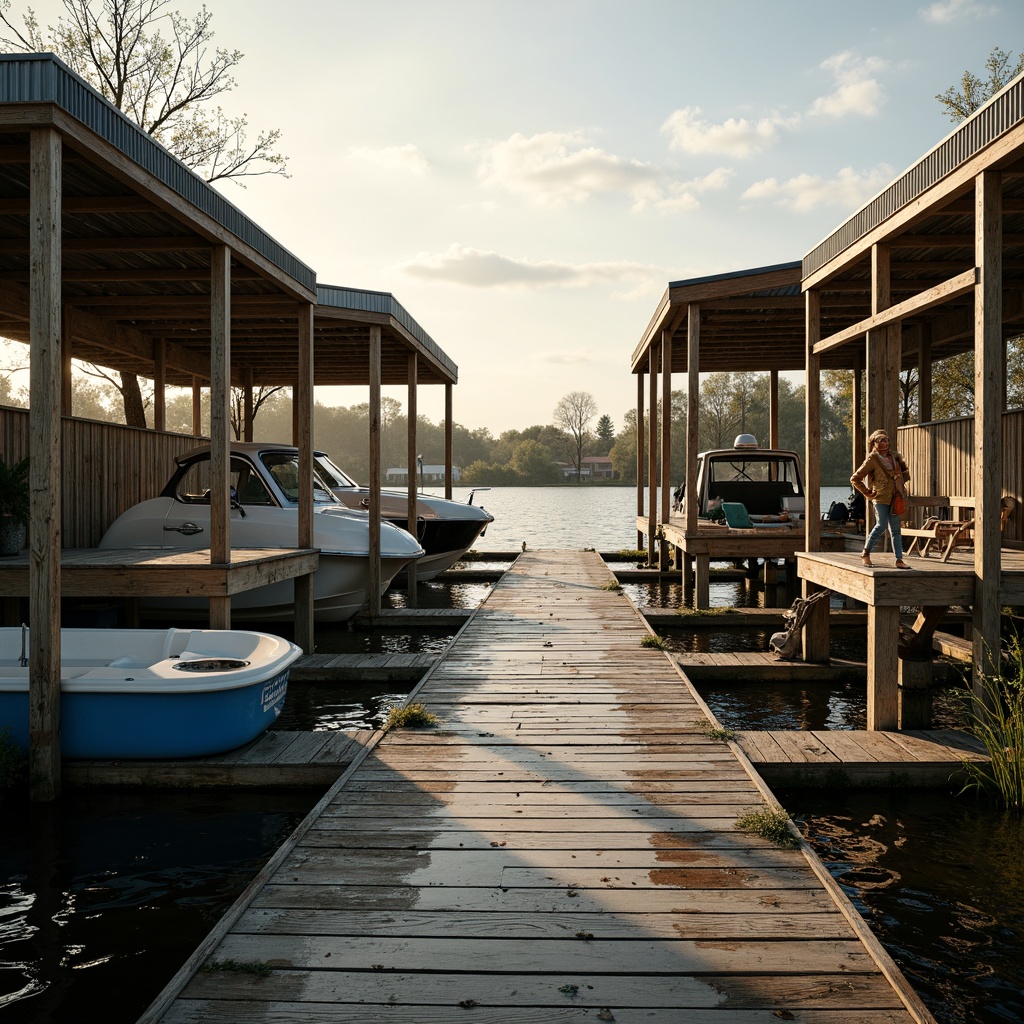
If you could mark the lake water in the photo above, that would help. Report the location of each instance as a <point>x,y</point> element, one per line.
<point>104,895</point>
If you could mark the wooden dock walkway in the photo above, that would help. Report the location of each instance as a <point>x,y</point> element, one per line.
<point>562,847</point>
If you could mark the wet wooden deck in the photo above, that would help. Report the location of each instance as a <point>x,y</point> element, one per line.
<point>561,848</point>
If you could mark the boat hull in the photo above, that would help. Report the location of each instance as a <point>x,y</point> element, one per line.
<point>143,705</point>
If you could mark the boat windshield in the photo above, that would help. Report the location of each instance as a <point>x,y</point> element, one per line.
<point>756,469</point>
<point>331,474</point>
<point>283,467</point>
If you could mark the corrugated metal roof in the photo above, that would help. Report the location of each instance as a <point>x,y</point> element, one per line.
<point>362,300</point>
<point>44,78</point>
<point>734,275</point>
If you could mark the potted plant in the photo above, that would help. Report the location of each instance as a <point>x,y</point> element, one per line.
<point>14,505</point>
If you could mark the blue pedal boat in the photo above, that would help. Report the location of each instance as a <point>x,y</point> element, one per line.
<point>152,693</point>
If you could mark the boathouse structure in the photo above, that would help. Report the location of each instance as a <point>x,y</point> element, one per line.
<point>933,266</point>
<point>114,252</point>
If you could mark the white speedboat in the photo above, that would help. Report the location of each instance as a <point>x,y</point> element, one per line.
<point>152,693</point>
<point>447,529</point>
<point>264,514</point>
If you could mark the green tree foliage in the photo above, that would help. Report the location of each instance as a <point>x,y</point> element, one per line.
<point>605,433</point>
<point>959,102</point>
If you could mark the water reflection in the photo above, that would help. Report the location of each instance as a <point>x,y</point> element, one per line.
<point>103,895</point>
<point>941,883</point>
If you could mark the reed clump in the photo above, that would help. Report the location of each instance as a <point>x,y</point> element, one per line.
<point>412,716</point>
<point>770,825</point>
<point>996,717</point>
<point>654,641</point>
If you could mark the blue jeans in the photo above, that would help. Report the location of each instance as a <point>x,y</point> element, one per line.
<point>884,518</point>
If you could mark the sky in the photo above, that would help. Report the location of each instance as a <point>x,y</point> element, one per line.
<point>527,176</point>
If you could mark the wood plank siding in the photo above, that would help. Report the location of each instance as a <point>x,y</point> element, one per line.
<point>107,468</point>
<point>562,847</point>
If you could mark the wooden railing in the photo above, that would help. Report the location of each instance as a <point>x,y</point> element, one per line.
<point>106,468</point>
<point>941,460</point>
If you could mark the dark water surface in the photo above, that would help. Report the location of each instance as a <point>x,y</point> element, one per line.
<point>103,895</point>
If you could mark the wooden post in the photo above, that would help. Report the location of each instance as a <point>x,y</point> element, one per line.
<point>857,431</point>
<point>66,401</point>
<point>652,453</point>
<point>988,391</point>
<point>375,441</point>
<point>220,422</point>
<point>44,227</point>
<point>303,610</point>
<point>924,374</point>
<point>639,455</point>
<point>815,641</point>
<point>197,408</point>
<point>160,384</point>
<point>247,405</point>
<point>700,568</point>
<point>666,442</point>
<point>412,512</point>
<point>449,434</point>
<point>883,651</point>
<point>773,409</point>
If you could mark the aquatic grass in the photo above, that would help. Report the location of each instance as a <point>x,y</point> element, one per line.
<point>654,641</point>
<point>412,716</point>
<point>996,717</point>
<point>13,762</point>
<point>770,825</point>
<point>714,732</point>
<point>613,585</point>
<point>630,555</point>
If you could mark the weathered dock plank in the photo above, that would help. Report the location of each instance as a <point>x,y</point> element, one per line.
<point>591,871</point>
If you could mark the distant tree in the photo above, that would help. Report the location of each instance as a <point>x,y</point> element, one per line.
<point>623,452</point>
<point>533,462</point>
<point>606,433</point>
<point>573,415</point>
<point>717,412</point>
<point>261,396</point>
<point>960,103</point>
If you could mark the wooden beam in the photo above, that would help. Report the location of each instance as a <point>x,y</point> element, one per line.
<point>303,399</point>
<point>375,445</point>
<point>639,456</point>
<point>666,440</point>
<point>951,289</point>
<point>652,454</point>
<point>449,434</point>
<point>988,409</point>
<point>159,384</point>
<point>44,245</point>
<point>411,459</point>
<point>692,415</point>
<point>220,423</point>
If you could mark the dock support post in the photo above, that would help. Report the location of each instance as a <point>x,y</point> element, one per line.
<point>915,696</point>
<point>702,589</point>
<point>883,644</point>
<point>816,639</point>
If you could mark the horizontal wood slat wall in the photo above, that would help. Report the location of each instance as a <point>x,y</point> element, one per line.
<point>941,460</point>
<point>107,468</point>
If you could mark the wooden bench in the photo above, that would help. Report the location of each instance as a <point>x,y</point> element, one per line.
<point>952,533</point>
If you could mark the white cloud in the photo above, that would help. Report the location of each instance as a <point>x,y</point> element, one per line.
<point>857,90</point>
<point>681,196</point>
<point>406,158</point>
<point>556,168</point>
<point>477,268</point>
<point>735,137</point>
<point>950,12</point>
<point>848,190</point>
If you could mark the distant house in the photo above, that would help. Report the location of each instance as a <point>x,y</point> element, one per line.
<point>425,474</point>
<point>598,467</point>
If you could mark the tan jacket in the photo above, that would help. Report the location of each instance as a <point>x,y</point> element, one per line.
<point>874,473</point>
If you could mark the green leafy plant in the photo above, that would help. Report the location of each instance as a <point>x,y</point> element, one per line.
<point>654,641</point>
<point>613,585</point>
<point>713,732</point>
<point>770,825</point>
<point>14,492</point>
<point>996,717</point>
<point>412,716</point>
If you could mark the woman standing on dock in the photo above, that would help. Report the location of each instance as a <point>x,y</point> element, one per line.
<point>880,478</point>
